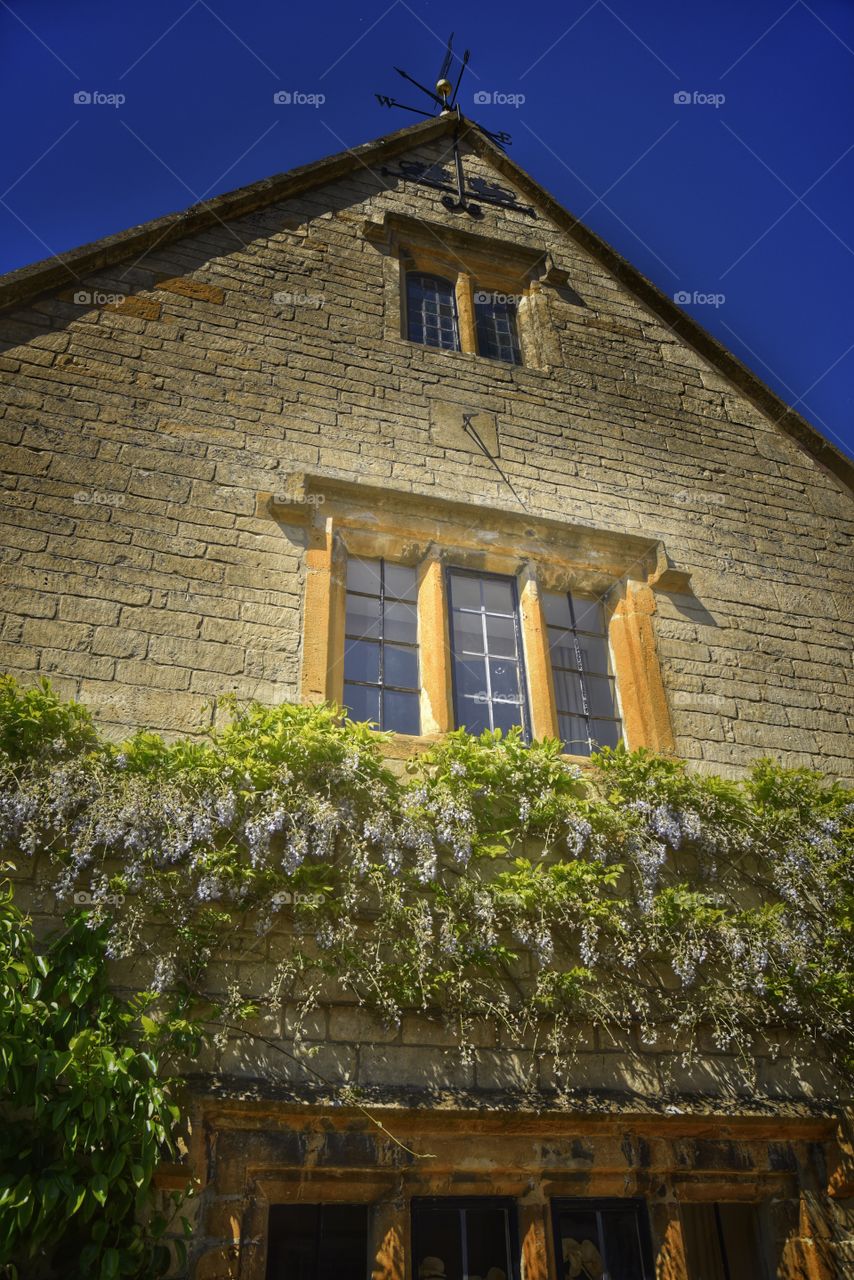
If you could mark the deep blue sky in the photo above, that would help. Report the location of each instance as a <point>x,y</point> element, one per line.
<point>750,199</point>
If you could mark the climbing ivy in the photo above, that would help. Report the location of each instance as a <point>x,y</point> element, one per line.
<point>487,879</point>
<point>86,1117</point>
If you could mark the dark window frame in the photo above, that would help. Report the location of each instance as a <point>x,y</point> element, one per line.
<point>761,1264</point>
<point>582,674</point>
<point>520,651</point>
<point>412,321</point>
<point>380,685</point>
<point>463,1203</point>
<point>321,1207</point>
<point>601,1206</point>
<point>486,314</point>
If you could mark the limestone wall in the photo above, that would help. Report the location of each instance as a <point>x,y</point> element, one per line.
<point>138,577</point>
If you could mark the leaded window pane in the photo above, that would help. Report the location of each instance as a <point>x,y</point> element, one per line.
<point>489,684</point>
<point>497,332</point>
<point>381,680</point>
<point>585,689</point>
<point>431,311</point>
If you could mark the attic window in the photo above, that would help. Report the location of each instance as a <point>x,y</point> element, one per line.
<point>500,290</point>
<point>462,315</point>
<point>495,322</point>
<point>431,311</point>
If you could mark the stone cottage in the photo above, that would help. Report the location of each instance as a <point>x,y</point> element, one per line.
<point>437,453</point>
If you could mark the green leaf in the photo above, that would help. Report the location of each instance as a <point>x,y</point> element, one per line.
<point>110,1264</point>
<point>99,1186</point>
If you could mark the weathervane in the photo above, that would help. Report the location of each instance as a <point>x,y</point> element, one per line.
<point>458,199</point>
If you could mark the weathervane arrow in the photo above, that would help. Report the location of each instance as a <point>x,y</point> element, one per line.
<point>446,98</point>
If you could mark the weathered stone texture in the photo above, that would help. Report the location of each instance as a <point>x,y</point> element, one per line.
<point>136,435</point>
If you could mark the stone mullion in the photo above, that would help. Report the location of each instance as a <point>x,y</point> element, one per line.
<point>323,618</point>
<point>669,1241</point>
<point>538,665</point>
<point>534,1241</point>
<point>465,312</point>
<point>434,647</point>
<point>646,718</point>
<point>387,1245</point>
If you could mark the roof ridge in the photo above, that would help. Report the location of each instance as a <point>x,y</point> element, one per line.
<point>25,283</point>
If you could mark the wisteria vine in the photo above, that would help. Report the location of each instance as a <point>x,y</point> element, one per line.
<point>486,880</point>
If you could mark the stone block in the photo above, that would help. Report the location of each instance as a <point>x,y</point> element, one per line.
<point>455,427</point>
<point>413,1067</point>
<point>353,1025</point>
<point>195,289</point>
<point>142,308</point>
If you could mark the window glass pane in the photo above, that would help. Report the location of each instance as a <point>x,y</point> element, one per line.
<point>400,667</point>
<point>486,1238</point>
<point>376,628</point>
<point>589,615</point>
<point>471,677</point>
<point>600,695</point>
<point>431,309</point>
<point>580,1246</point>
<point>583,684</point>
<point>622,1245</point>
<point>605,733</point>
<point>604,1239</point>
<point>594,653</point>
<point>317,1242</point>
<point>363,616</point>
<point>497,682</point>
<point>565,650</point>
<point>502,636</point>
<point>504,679</point>
<point>437,1243</point>
<point>363,575</point>
<point>723,1242</point>
<point>574,734</point>
<point>465,591</point>
<point>362,702</point>
<point>399,581</point>
<point>361,660</point>
<point>497,336</point>
<point>568,692</point>
<point>400,622</point>
<point>506,714</point>
<point>473,715</point>
<point>498,596</point>
<point>401,712</point>
<point>556,608</point>
<point>468,632</point>
<point>462,1240</point>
